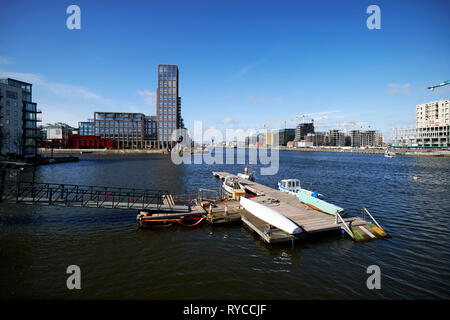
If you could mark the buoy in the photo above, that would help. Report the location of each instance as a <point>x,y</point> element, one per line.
<point>415,178</point>
<point>246,170</point>
<point>210,208</point>
<point>226,210</point>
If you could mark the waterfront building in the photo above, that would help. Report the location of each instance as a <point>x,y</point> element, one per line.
<point>432,127</point>
<point>367,138</point>
<point>19,132</point>
<point>302,130</point>
<point>86,128</point>
<point>335,138</point>
<point>168,105</point>
<point>433,114</point>
<point>58,130</point>
<point>151,132</point>
<point>283,136</point>
<point>317,138</point>
<point>127,129</point>
<point>268,139</point>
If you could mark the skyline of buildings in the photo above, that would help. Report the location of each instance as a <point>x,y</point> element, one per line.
<point>20,133</point>
<point>432,127</point>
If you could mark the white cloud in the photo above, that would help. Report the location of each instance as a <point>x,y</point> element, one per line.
<point>228,121</point>
<point>149,97</point>
<point>59,89</point>
<point>240,73</point>
<point>262,99</point>
<point>399,89</point>
<point>5,60</point>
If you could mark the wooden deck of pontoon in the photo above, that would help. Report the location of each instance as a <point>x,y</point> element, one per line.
<point>309,219</point>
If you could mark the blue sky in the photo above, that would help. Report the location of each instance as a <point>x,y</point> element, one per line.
<point>242,63</point>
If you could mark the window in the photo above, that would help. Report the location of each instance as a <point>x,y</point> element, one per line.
<point>11,94</point>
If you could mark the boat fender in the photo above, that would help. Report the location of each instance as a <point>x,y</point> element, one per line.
<point>315,194</point>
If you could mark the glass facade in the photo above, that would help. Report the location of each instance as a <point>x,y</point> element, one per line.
<point>167,103</point>
<point>20,134</point>
<point>86,128</point>
<point>126,128</point>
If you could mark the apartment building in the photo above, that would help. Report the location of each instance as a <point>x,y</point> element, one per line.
<point>19,132</point>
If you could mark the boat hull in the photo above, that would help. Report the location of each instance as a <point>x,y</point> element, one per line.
<point>270,216</point>
<point>319,204</point>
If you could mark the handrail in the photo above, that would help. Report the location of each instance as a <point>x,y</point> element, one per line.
<point>346,228</point>
<point>373,219</point>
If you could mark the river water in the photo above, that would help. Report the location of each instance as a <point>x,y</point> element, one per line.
<point>119,261</point>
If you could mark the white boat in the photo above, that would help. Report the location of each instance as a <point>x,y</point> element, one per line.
<point>244,176</point>
<point>230,183</point>
<point>270,216</point>
<point>292,186</point>
<point>388,154</point>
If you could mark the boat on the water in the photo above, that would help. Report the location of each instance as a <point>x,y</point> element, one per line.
<point>293,186</point>
<point>319,204</point>
<point>271,216</point>
<point>389,154</point>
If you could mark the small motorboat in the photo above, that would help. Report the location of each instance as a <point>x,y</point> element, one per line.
<point>231,183</point>
<point>389,154</point>
<point>292,186</point>
<point>249,177</point>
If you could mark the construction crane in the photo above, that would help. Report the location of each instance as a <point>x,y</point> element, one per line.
<point>439,85</point>
<point>339,124</point>
<point>301,118</point>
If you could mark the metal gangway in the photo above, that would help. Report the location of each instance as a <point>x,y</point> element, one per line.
<point>71,195</point>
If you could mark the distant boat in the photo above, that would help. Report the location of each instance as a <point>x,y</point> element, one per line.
<point>319,204</point>
<point>388,154</point>
<point>292,186</point>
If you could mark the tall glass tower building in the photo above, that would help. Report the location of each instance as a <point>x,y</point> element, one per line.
<point>167,104</point>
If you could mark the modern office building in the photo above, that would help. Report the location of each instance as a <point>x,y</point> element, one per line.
<point>168,104</point>
<point>127,129</point>
<point>283,136</point>
<point>19,132</point>
<point>136,130</point>
<point>86,128</point>
<point>302,130</point>
<point>151,132</point>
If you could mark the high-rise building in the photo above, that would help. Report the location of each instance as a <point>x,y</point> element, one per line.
<point>432,127</point>
<point>283,136</point>
<point>335,138</point>
<point>19,133</point>
<point>302,130</point>
<point>433,113</point>
<point>168,104</point>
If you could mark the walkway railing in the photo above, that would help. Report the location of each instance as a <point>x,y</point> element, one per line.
<point>86,196</point>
